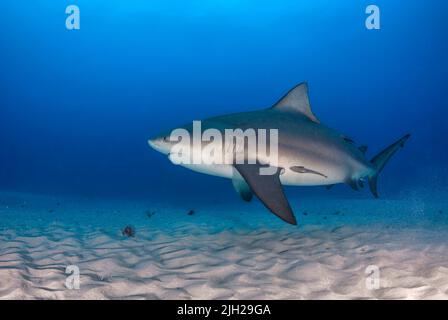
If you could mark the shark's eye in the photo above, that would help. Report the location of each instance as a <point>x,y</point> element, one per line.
<point>166,139</point>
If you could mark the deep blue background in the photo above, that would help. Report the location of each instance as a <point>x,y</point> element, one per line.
<point>76,107</point>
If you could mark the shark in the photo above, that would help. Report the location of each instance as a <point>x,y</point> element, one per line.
<point>309,153</point>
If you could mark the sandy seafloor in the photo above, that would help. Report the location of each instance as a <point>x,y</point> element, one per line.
<point>227,250</point>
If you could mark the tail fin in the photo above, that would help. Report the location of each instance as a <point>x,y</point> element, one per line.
<point>380,160</point>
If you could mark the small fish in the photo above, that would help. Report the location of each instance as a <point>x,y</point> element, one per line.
<point>337,213</point>
<point>190,213</point>
<point>305,213</point>
<point>128,231</point>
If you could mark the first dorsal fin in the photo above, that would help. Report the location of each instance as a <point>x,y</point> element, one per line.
<point>296,100</point>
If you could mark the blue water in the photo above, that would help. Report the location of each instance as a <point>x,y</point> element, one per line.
<point>77,106</point>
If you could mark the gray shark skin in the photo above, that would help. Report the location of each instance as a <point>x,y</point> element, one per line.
<point>309,153</point>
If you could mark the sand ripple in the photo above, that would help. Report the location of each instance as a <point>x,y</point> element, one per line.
<point>192,262</point>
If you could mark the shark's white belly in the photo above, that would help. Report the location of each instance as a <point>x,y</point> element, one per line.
<point>288,177</point>
<point>292,178</point>
<point>323,172</point>
<point>219,170</point>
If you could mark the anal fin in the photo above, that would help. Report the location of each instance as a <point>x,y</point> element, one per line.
<point>352,183</point>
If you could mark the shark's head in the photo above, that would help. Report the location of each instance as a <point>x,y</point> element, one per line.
<point>165,141</point>
<point>161,143</point>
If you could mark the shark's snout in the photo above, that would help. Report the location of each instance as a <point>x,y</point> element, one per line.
<point>161,144</point>
<point>157,144</point>
<point>152,143</point>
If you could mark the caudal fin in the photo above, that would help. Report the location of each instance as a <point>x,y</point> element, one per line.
<point>380,160</point>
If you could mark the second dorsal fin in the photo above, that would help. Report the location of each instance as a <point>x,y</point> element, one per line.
<point>363,149</point>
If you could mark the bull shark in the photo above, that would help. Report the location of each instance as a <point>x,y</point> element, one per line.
<point>309,153</point>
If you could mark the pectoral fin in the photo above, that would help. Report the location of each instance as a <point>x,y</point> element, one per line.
<point>268,189</point>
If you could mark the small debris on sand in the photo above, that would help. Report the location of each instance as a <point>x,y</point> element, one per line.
<point>128,231</point>
<point>336,229</point>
